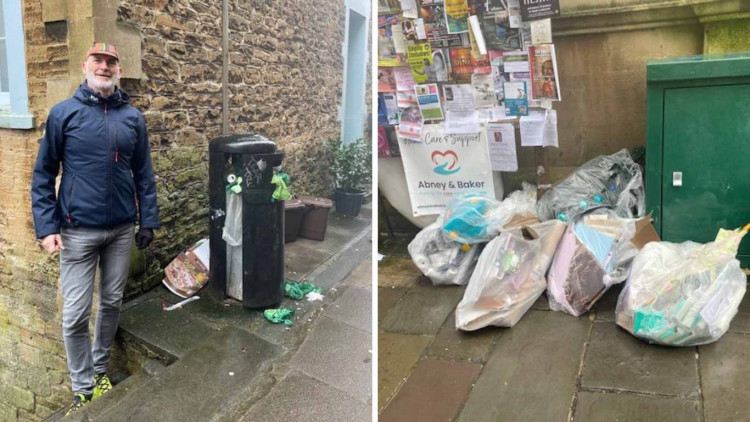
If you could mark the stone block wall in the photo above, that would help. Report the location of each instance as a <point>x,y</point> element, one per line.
<point>180,98</point>
<point>33,372</point>
<point>286,80</point>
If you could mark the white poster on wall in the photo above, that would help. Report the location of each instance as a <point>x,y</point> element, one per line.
<point>444,166</point>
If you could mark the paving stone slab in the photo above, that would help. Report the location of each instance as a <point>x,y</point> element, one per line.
<point>741,321</point>
<point>302,398</point>
<point>174,332</point>
<point>397,271</point>
<point>339,355</point>
<point>362,275</point>
<point>434,391</point>
<point>354,308</point>
<point>725,375</point>
<point>387,297</point>
<point>299,260</point>
<point>424,309</point>
<point>531,374</point>
<point>199,385</point>
<point>615,359</point>
<point>397,354</point>
<point>596,407</point>
<point>470,346</point>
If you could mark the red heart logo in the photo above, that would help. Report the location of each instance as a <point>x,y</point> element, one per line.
<point>449,155</point>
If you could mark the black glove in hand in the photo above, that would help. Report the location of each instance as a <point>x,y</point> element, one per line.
<point>143,238</point>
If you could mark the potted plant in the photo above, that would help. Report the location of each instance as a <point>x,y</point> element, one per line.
<point>351,169</point>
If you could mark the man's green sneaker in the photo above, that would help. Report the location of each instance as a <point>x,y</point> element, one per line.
<point>101,385</point>
<point>79,400</point>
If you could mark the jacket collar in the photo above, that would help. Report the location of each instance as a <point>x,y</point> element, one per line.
<point>88,96</point>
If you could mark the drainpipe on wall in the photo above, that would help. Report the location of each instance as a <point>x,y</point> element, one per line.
<point>224,67</point>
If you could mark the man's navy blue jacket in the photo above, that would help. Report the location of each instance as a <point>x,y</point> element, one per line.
<point>102,144</point>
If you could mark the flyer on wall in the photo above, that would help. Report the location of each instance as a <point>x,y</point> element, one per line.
<point>501,140</point>
<point>543,67</point>
<point>410,124</point>
<point>429,102</point>
<point>516,103</point>
<point>444,166</point>
<point>539,9</point>
<point>456,16</point>
<point>420,62</point>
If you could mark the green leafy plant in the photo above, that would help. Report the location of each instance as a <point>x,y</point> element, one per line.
<point>352,164</point>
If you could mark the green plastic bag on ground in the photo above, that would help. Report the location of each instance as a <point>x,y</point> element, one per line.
<point>299,290</point>
<point>279,316</point>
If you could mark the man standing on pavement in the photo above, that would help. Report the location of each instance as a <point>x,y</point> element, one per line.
<point>102,143</point>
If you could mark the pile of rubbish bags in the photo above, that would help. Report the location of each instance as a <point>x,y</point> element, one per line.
<point>586,234</point>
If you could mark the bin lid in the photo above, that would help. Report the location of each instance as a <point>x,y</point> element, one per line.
<point>242,143</point>
<point>293,204</point>
<point>317,202</point>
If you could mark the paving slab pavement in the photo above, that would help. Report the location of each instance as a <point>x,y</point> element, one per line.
<point>725,376</point>
<point>555,367</point>
<point>535,362</point>
<point>424,309</point>
<point>338,354</point>
<point>397,271</point>
<point>434,391</point>
<point>197,385</point>
<point>348,308</point>
<point>327,349</point>
<point>617,360</point>
<point>397,355</point>
<point>387,298</point>
<point>457,345</point>
<point>594,407</point>
<point>299,397</point>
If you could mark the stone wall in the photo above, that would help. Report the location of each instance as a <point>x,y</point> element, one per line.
<point>285,78</point>
<point>285,82</point>
<point>33,372</point>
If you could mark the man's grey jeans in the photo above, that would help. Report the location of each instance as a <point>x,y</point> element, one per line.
<point>84,247</point>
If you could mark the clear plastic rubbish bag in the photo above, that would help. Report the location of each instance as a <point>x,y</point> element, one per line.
<point>232,234</point>
<point>509,276</point>
<point>476,219</point>
<point>594,253</point>
<point>614,181</point>
<point>683,294</point>
<point>442,260</point>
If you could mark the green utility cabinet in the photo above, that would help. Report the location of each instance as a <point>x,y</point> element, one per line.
<point>698,147</point>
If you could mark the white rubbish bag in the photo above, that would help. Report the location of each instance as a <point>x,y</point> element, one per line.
<point>443,260</point>
<point>509,276</point>
<point>232,234</point>
<point>683,294</point>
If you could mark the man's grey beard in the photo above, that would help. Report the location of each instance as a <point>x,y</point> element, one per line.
<point>104,86</point>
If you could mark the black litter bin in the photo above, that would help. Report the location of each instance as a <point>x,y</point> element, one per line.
<point>253,158</point>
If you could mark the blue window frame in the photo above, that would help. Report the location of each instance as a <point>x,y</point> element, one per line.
<point>14,100</point>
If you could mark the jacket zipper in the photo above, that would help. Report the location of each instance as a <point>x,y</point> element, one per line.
<point>117,147</point>
<point>109,167</point>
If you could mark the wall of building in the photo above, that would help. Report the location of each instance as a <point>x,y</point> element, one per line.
<point>32,357</point>
<point>602,49</point>
<point>285,80</point>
